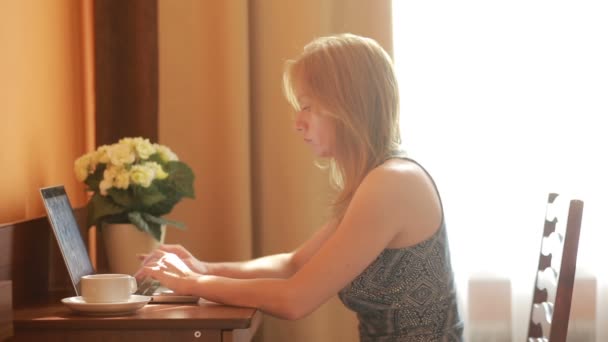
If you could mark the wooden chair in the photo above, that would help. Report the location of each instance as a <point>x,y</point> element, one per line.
<point>554,282</point>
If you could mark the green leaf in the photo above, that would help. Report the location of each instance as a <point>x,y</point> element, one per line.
<point>136,218</point>
<point>122,197</point>
<point>151,228</point>
<point>163,221</point>
<point>150,195</point>
<point>99,207</point>
<point>155,230</point>
<point>172,197</point>
<point>136,197</point>
<point>156,158</point>
<point>182,177</point>
<point>95,178</point>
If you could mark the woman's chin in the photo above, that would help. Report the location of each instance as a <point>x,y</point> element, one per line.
<point>323,154</point>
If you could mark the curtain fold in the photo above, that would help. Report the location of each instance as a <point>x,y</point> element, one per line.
<point>43,103</point>
<point>204,117</point>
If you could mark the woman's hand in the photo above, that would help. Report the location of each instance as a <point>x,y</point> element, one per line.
<point>170,270</point>
<point>192,262</point>
<point>188,259</point>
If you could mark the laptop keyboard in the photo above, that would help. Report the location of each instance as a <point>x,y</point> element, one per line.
<point>147,287</point>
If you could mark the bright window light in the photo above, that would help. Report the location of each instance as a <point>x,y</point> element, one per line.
<point>505,102</point>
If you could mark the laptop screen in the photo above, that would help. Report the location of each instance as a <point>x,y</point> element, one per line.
<point>72,247</point>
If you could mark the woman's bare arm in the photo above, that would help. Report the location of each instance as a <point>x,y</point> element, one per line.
<point>282,265</point>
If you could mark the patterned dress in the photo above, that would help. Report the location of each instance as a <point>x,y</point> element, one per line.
<point>407,294</point>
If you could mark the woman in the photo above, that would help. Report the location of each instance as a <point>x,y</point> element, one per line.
<point>385,250</point>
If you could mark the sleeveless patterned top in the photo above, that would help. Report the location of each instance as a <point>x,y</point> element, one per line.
<point>407,294</point>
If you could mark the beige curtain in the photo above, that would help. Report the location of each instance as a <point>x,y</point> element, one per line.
<point>44,106</point>
<point>204,117</point>
<point>222,110</point>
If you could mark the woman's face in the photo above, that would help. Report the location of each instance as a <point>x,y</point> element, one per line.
<point>316,127</point>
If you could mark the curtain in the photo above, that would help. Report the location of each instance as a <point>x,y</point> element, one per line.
<point>44,102</point>
<point>291,195</point>
<point>504,103</point>
<point>222,110</point>
<point>204,117</point>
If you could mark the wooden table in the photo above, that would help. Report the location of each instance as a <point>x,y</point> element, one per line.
<point>202,322</point>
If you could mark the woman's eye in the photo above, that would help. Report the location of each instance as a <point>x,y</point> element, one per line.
<point>306,108</point>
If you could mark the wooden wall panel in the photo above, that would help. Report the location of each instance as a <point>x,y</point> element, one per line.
<point>6,310</point>
<point>126,77</point>
<point>30,258</point>
<point>126,69</point>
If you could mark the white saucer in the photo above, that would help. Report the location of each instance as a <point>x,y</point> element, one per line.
<point>134,303</point>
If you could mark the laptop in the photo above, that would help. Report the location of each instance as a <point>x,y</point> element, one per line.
<point>67,233</point>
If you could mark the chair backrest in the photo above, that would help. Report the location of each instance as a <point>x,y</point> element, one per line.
<point>554,282</point>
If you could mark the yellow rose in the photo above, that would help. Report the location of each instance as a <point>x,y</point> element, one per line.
<point>165,153</point>
<point>159,173</point>
<point>126,141</point>
<point>104,185</point>
<point>121,154</point>
<point>82,167</point>
<point>121,180</point>
<point>101,155</point>
<point>141,175</point>
<point>143,147</point>
<point>108,179</point>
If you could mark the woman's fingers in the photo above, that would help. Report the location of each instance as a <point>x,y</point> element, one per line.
<point>175,249</point>
<point>167,261</point>
<point>173,264</point>
<point>166,276</point>
<point>170,248</point>
<point>153,257</point>
<point>167,268</point>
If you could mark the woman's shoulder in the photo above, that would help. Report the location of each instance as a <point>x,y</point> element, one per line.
<point>409,192</point>
<point>398,170</point>
<point>401,180</point>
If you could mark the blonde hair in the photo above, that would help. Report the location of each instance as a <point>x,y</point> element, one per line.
<point>353,78</point>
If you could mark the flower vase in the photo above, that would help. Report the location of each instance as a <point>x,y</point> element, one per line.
<point>123,242</point>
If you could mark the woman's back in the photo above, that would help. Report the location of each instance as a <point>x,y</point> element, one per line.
<point>407,294</point>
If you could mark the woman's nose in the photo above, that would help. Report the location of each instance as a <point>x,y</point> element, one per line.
<point>299,126</point>
<point>300,123</point>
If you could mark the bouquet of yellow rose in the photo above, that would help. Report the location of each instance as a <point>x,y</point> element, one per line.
<point>134,181</point>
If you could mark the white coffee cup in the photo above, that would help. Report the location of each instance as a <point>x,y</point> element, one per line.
<point>107,288</point>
